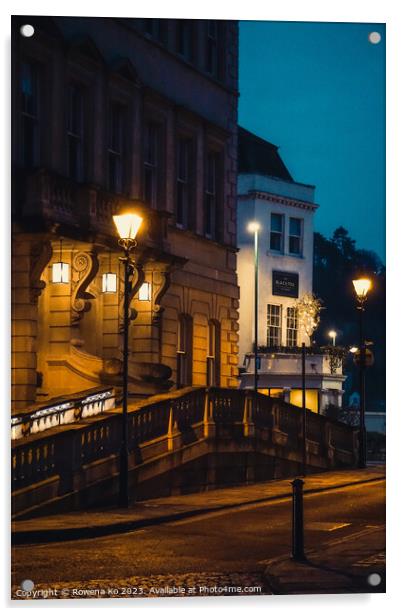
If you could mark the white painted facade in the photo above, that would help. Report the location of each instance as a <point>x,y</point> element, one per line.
<point>258,197</point>
<point>267,200</point>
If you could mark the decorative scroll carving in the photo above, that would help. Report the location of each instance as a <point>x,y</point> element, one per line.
<point>41,254</point>
<point>85,266</point>
<point>160,284</point>
<point>136,279</point>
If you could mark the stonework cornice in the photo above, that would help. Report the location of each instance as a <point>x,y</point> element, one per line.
<point>256,194</point>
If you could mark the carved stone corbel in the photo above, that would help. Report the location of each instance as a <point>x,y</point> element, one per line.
<point>160,284</point>
<point>41,254</point>
<point>84,268</point>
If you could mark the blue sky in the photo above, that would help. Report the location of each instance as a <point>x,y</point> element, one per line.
<point>317,90</point>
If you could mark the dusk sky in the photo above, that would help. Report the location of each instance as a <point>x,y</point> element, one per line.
<point>317,90</point>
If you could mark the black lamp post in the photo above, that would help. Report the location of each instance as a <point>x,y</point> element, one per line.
<point>362,286</point>
<point>127,225</point>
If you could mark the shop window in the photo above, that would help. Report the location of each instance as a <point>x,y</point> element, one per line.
<point>295,236</point>
<point>274,317</point>
<point>276,237</point>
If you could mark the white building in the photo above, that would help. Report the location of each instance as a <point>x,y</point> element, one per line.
<point>285,211</point>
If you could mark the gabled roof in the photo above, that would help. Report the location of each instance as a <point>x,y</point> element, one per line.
<point>259,156</point>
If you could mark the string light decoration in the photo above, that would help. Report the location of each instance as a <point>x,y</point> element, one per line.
<point>308,311</point>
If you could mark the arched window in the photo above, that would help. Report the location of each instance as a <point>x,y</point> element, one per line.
<point>185,351</point>
<point>214,354</point>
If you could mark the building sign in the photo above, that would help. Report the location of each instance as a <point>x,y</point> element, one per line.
<point>285,284</point>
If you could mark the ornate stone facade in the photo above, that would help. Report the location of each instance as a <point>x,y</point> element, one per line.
<point>108,113</point>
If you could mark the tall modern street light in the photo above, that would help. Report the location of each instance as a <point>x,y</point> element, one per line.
<point>362,286</point>
<point>127,225</point>
<point>254,227</point>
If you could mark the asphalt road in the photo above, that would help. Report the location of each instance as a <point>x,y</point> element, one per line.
<point>227,547</point>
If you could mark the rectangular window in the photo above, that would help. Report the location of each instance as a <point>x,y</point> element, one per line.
<point>291,327</point>
<point>274,318</point>
<point>295,236</point>
<point>212,191</point>
<point>30,114</point>
<point>151,159</point>
<point>183,181</point>
<point>211,60</point>
<point>276,238</point>
<point>75,133</point>
<point>116,148</point>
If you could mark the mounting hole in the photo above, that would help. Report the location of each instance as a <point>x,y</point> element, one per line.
<point>374,579</point>
<point>27,585</point>
<point>27,30</point>
<point>374,38</point>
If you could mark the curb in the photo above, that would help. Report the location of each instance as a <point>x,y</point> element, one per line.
<point>21,537</point>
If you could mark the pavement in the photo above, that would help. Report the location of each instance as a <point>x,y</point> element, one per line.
<point>354,564</point>
<point>109,521</point>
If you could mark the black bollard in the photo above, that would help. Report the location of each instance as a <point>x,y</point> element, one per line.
<point>297,521</point>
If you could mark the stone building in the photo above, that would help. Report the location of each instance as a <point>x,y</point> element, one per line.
<point>285,209</point>
<point>111,112</point>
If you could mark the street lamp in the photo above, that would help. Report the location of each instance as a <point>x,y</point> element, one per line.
<point>127,225</point>
<point>362,286</point>
<point>332,334</point>
<point>254,227</point>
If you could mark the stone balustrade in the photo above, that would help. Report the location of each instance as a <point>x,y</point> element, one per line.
<point>228,421</point>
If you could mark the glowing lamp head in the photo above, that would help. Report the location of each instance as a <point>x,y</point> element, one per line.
<point>362,287</point>
<point>127,225</point>
<point>353,349</point>
<point>253,227</point>
<point>332,333</point>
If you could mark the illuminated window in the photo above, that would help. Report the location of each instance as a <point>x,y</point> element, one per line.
<point>274,330</point>
<point>296,398</point>
<point>144,294</point>
<point>291,327</point>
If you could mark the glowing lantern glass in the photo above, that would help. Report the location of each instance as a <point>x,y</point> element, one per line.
<point>362,287</point>
<point>144,294</point>
<point>109,283</point>
<point>60,272</point>
<point>127,225</point>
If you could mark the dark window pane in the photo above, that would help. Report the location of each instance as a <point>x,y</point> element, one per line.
<point>295,226</point>
<point>276,222</point>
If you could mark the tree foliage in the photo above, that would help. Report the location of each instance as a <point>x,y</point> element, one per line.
<point>337,262</point>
